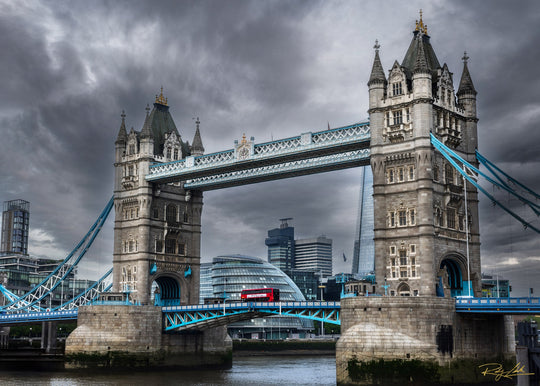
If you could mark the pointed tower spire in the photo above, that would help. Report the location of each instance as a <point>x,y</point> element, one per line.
<point>466,85</point>
<point>421,65</point>
<point>377,72</point>
<point>197,147</point>
<point>146,131</point>
<point>122,133</point>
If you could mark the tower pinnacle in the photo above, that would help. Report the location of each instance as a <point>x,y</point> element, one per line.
<point>122,133</point>
<point>466,84</point>
<point>377,72</point>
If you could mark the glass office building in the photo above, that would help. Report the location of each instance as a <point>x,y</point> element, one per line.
<point>280,242</point>
<point>15,222</point>
<point>364,245</point>
<point>231,274</point>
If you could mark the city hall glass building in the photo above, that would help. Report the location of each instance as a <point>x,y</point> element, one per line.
<point>230,274</point>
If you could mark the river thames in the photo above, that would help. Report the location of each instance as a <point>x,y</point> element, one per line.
<point>254,370</point>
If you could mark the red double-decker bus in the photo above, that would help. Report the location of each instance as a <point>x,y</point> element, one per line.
<point>260,295</point>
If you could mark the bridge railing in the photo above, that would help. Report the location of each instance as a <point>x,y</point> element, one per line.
<point>248,305</point>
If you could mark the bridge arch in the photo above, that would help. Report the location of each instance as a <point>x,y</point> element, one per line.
<point>166,290</point>
<point>452,275</point>
<point>404,290</point>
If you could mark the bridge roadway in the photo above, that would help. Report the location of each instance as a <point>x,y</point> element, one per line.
<point>201,316</point>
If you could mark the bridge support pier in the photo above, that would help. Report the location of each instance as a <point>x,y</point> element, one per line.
<point>133,336</point>
<point>48,337</point>
<point>4,337</point>
<point>419,337</point>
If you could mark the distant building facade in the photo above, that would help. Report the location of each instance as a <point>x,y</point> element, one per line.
<point>314,254</point>
<point>495,286</point>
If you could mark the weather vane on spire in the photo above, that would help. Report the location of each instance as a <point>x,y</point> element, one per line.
<point>377,45</point>
<point>420,26</point>
<point>465,58</point>
<point>161,99</point>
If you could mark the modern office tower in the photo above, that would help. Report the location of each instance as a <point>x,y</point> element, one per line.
<point>314,254</point>
<point>364,247</point>
<point>15,221</point>
<point>280,242</point>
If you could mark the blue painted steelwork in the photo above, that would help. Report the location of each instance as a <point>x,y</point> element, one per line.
<point>454,158</point>
<point>34,317</point>
<point>61,272</point>
<point>212,315</point>
<point>271,160</point>
<point>283,170</point>
<point>90,294</point>
<point>498,305</point>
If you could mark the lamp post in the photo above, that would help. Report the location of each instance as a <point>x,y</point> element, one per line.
<point>322,287</point>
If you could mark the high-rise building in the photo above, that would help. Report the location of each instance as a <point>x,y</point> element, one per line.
<point>15,221</point>
<point>314,254</point>
<point>280,242</point>
<point>364,246</point>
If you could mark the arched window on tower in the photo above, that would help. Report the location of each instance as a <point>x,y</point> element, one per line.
<point>448,174</point>
<point>171,214</point>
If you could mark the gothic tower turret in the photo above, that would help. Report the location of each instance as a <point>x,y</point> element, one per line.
<point>420,235</point>
<point>157,226</point>
<point>197,147</point>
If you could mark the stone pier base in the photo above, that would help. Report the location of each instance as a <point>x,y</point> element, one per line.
<point>423,339</point>
<point>132,336</point>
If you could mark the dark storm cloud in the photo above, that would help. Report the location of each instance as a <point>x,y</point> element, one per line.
<point>268,69</point>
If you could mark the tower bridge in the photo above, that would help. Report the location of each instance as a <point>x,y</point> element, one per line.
<point>421,143</point>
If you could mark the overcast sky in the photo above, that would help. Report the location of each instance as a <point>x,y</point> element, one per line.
<point>269,69</point>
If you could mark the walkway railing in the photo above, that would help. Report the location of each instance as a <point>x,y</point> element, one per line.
<point>498,305</point>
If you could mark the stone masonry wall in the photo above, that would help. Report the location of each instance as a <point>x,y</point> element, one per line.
<point>104,328</point>
<point>133,336</point>
<point>417,328</point>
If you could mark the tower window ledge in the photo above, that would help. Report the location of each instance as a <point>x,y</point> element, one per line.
<point>392,100</point>
<point>130,157</point>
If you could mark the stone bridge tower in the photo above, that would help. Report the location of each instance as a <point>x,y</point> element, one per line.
<point>157,226</point>
<point>420,210</point>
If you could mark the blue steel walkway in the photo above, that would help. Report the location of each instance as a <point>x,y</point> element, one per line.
<point>211,315</point>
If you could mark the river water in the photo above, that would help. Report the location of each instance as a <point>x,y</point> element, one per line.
<point>255,370</point>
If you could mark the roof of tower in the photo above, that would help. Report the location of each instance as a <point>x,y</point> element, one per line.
<point>197,141</point>
<point>159,122</point>
<point>377,72</point>
<point>419,42</point>
<point>122,133</point>
<point>466,84</point>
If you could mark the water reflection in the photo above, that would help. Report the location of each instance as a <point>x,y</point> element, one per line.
<point>258,370</point>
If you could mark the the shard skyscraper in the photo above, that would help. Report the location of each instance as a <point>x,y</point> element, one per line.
<point>364,246</point>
